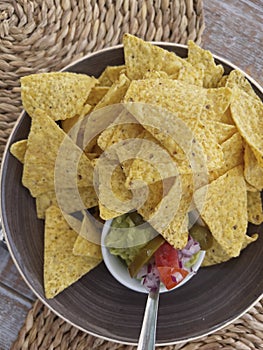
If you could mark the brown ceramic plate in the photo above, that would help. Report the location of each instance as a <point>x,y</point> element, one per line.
<point>97,303</point>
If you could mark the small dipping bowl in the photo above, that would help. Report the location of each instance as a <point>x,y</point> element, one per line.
<point>120,272</point>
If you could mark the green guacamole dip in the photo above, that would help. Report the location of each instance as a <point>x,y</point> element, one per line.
<point>125,238</point>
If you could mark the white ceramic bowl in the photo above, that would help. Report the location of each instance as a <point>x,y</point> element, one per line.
<point>119,270</point>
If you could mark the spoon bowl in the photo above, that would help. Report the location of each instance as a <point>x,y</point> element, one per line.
<point>119,270</point>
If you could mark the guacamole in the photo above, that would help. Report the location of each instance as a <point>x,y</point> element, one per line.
<point>128,235</point>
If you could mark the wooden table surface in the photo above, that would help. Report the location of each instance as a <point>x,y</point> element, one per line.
<point>234,30</point>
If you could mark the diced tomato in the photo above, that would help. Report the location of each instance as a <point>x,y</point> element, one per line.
<point>166,256</point>
<point>171,276</point>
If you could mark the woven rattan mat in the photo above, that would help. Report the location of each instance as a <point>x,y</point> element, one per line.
<point>45,35</point>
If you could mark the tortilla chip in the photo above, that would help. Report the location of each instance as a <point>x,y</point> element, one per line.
<point>88,241</point>
<point>216,254</point>
<point>204,59</point>
<point>115,93</point>
<point>253,172</point>
<point>61,95</point>
<point>61,267</point>
<point>141,56</point>
<point>18,149</point>
<point>233,156</point>
<point>68,124</point>
<point>69,200</point>
<point>110,75</point>
<point>43,147</point>
<point>191,75</point>
<point>125,126</point>
<point>223,206</point>
<point>247,113</point>
<point>172,95</point>
<point>254,208</point>
<point>171,217</point>
<point>114,197</point>
<point>237,79</point>
<point>216,103</point>
<point>221,131</point>
<point>96,95</point>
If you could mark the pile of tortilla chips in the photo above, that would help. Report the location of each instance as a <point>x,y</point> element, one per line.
<point>164,136</point>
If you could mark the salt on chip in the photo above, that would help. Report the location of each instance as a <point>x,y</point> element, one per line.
<point>223,206</point>
<point>254,208</point>
<point>61,95</point>
<point>252,171</point>
<point>61,267</point>
<point>115,94</point>
<point>247,112</point>
<point>141,56</point>
<point>44,142</point>
<point>70,199</point>
<point>18,150</point>
<point>204,59</point>
<point>88,241</point>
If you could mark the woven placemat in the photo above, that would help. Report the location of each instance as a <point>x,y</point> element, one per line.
<point>46,35</point>
<point>44,330</point>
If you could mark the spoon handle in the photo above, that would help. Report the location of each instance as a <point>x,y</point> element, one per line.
<point>148,330</point>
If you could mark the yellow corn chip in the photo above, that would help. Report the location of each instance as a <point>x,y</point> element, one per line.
<point>237,79</point>
<point>233,156</point>
<point>253,172</point>
<point>88,241</point>
<point>203,59</point>
<point>223,207</point>
<point>141,56</point>
<point>172,95</point>
<point>110,75</point>
<point>96,95</point>
<point>18,149</point>
<point>221,131</point>
<point>247,113</point>
<point>254,208</point>
<point>216,254</point>
<point>43,146</point>
<point>216,103</point>
<point>115,93</point>
<point>70,200</point>
<point>68,124</point>
<point>191,75</point>
<point>61,267</point>
<point>61,95</point>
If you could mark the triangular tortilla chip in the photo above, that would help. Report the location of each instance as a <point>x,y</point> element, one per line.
<point>61,267</point>
<point>141,56</point>
<point>204,59</point>
<point>18,149</point>
<point>88,241</point>
<point>247,112</point>
<point>223,207</point>
<point>61,95</point>
<point>252,171</point>
<point>49,146</point>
